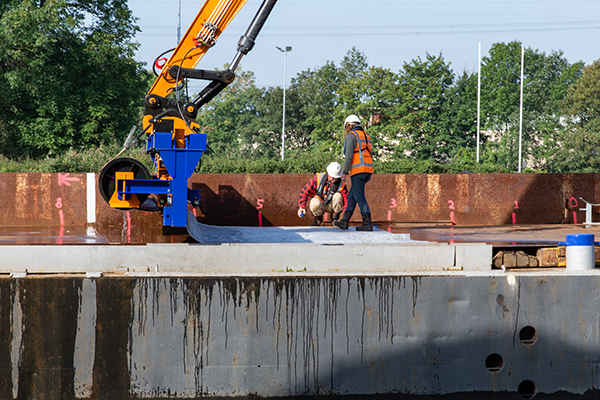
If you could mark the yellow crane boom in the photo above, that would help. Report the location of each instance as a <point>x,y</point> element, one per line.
<point>210,22</point>
<point>173,138</point>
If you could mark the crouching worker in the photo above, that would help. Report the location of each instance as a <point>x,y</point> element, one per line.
<point>327,193</point>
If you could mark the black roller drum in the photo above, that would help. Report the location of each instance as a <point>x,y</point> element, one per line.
<point>106,180</point>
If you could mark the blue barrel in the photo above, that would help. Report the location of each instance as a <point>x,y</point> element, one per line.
<point>580,251</point>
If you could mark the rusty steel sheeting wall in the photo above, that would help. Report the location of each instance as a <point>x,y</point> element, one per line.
<point>39,199</point>
<point>159,337</point>
<point>466,199</point>
<point>272,199</point>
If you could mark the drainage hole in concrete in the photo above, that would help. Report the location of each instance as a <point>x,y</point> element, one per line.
<point>528,335</point>
<point>527,389</point>
<point>494,362</point>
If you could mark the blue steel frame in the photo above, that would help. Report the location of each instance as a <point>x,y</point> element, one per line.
<point>180,164</point>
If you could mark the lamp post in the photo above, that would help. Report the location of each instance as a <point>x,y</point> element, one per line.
<point>284,51</point>
<point>178,21</point>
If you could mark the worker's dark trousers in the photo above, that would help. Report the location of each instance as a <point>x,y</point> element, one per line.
<point>357,194</point>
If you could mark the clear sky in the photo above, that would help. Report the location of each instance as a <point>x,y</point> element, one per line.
<point>388,32</point>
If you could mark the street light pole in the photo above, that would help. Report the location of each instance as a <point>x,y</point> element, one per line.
<point>178,21</point>
<point>287,50</point>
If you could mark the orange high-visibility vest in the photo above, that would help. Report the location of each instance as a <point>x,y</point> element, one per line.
<point>333,188</point>
<point>361,158</point>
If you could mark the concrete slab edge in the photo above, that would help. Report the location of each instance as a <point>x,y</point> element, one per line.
<point>241,259</point>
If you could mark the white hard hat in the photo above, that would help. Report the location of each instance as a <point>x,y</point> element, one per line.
<point>334,170</point>
<point>350,119</point>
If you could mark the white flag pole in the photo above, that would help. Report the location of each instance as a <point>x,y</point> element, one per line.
<point>478,97</point>
<point>521,108</point>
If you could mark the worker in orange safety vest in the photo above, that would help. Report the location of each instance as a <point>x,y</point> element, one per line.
<point>359,165</point>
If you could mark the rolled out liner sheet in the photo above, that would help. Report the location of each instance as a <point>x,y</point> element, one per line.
<point>209,234</point>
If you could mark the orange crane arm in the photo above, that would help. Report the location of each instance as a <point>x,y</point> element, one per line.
<point>211,20</point>
<point>180,115</point>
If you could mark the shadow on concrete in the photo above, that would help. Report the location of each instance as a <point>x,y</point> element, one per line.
<point>552,199</point>
<point>227,208</point>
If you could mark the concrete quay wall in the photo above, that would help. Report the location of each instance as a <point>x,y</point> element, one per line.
<point>39,199</point>
<point>235,259</point>
<point>461,335</point>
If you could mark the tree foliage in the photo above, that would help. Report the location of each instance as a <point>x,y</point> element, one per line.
<point>69,74</point>
<point>422,94</point>
<point>546,79</point>
<point>423,111</point>
<point>578,145</point>
<point>71,82</point>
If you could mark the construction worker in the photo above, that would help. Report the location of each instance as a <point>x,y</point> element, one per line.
<point>359,164</point>
<point>327,193</point>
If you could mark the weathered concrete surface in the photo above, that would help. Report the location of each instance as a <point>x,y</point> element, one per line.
<point>237,259</point>
<point>460,335</point>
<point>271,200</point>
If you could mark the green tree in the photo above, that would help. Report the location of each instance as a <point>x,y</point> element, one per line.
<point>270,112</point>
<point>322,117</point>
<point>353,68</point>
<point>459,117</point>
<point>326,96</point>
<point>69,75</point>
<point>380,100</point>
<point>229,118</point>
<point>578,147</point>
<point>546,79</point>
<point>423,86</point>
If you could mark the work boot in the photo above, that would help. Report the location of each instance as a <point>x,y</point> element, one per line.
<point>343,223</point>
<point>367,225</point>
<point>335,216</point>
<point>317,221</point>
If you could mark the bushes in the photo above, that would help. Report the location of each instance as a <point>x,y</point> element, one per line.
<point>93,159</point>
<point>85,160</point>
<point>318,163</point>
<point>410,166</point>
<point>292,164</point>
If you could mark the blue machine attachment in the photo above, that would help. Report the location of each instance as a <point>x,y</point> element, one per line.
<point>125,183</point>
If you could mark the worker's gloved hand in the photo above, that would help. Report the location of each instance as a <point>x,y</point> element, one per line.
<point>301,212</point>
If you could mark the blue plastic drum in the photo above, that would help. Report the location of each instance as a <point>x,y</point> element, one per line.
<point>580,251</point>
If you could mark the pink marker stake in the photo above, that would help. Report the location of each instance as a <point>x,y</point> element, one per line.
<point>573,203</point>
<point>61,215</point>
<point>61,232</point>
<point>452,207</point>
<point>259,205</point>
<point>128,227</point>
